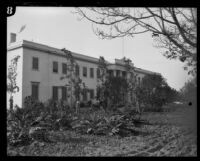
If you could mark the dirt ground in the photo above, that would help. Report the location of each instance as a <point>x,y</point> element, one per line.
<point>171,134</point>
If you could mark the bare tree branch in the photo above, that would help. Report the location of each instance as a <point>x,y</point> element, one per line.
<point>175,28</point>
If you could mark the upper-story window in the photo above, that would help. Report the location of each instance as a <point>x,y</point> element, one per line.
<point>35,63</point>
<point>77,70</point>
<point>55,67</point>
<point>64,68</point>
<point>139,80</point>
<point>98,73</point>
<point>85,71</point>
<point>91,72</point>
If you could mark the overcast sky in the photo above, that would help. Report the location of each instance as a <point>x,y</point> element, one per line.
<point>59,27</point>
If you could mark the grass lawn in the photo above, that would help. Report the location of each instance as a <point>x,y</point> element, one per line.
<point>172,133</point>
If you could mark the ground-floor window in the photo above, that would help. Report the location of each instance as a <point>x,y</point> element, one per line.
<point>64,93</point>
<point>35,90</point>
<point>55,93</point>
<point>91,93</point>
<point>84,96</point>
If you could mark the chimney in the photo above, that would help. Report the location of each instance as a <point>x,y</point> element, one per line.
<point>13,37</point>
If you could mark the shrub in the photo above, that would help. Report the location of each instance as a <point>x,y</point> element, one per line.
<point>34,113</point>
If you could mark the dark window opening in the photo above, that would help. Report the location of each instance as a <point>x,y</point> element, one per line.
<point>64,68</point>
<point>91,94</point>
<point>64,93</point>
<point>85,71</point>
<point>124,74</point>
<point>117,73</point>
<point>111,73</point>
<point>77,70</point>
<point>35,90</point>
<point>35,63</point>
<point>55,67</point>
<point>85,96</point>
<point>98,73</point>
<point>55,93</point>
<point>91,73</point>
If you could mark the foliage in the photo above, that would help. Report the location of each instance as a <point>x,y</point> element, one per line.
<point>11,79</point>
<point>154,92</point>
<point>189,91</point>
<point>117,88</point>
<point>173,29</point>
<point>115,123</point>
<point>34,120</point>
<point>75,84</point>
<point>101,87</point>
<point>132,84</point>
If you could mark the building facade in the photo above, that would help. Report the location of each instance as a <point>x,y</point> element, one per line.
<point>40,68</point>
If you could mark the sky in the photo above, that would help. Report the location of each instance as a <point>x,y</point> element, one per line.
<point>59,27</point>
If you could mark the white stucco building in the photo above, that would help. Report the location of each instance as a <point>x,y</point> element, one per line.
<point>40,68</point>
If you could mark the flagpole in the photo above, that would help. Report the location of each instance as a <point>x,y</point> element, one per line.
<point>122,46</point>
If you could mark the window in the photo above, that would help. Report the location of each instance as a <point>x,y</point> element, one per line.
<point>64,93</point>
<point>35,63</point>
<point>55,93</point>
<point>55,67</point>
<point>77,70</point>
<point>139,80</point>
<point>117,73</point>
<point>91,94</point>
<point>64,68</point>
<point>84,96</point>
<point>85,71</point>
<point>35,90</point>
<point>124,74</point>
<point>98,73</point>
<point>111,73</point>
<point>91,73</point>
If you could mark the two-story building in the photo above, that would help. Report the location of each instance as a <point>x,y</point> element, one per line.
<point>40,68</point>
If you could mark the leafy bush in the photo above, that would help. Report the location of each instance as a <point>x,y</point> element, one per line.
<point>101,123</point>
<point>189,91</point>
<point>52,115</point>
<point>154,92</point>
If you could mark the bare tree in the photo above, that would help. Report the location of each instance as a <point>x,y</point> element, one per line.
<point>173,29</point>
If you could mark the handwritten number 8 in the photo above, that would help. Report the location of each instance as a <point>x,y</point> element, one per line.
<point>9,10</point>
